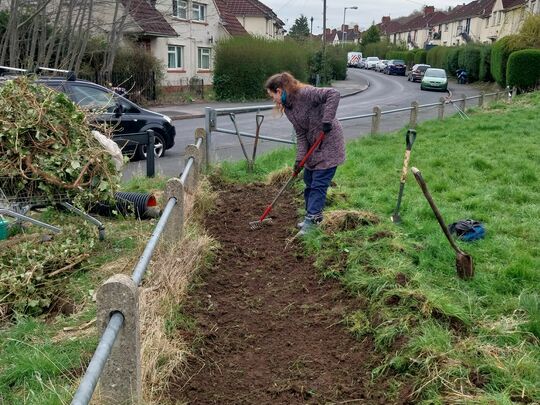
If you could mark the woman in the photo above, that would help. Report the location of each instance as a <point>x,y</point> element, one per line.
<point>311,110</point>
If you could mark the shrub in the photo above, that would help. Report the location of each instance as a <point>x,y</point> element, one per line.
<point>382,49</point>
<point>484,73</point>
<point>420,56</point>
<point>243,64</point>
<point>437,57</point>
<point>452,61</point>
<point>337,60</point>
<point>500,52</point>
<point>523,69</point>
<point>469,59</point>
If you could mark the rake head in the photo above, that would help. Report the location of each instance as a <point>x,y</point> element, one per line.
<point>256,225</point>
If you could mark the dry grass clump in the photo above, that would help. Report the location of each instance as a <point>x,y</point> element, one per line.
<point>279,177</point>
<point>345,220</point>
<point>171,271</point>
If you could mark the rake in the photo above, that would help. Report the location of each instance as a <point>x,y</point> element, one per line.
<point>255,225</point>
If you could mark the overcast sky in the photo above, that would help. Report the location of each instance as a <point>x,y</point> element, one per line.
<point>368,10</point>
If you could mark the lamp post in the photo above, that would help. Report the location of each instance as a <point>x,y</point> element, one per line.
<point>311,30</point>
<point>344,33</point>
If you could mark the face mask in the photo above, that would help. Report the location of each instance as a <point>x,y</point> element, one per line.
<point>283,97</point>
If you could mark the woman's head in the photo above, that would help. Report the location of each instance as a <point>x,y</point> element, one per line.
<point>281,84</point>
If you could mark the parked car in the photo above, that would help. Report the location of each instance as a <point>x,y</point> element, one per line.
<point>371,62</point>
<point>434,79</point>
<point>115,110</point>
<point>417,72</point>
<point>361,63</point>
<point>381,65</point>
<point>395,67</point>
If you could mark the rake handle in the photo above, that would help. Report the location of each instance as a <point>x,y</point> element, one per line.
<point>295,173</point>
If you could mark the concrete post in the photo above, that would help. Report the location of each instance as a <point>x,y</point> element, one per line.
<point>174,230</point>
<point>481,99</point>
<point>414,115</point>
<point>193,176</point>
<point>120,381</point>
<point>210,117</point>
<point>376,120</point>
<point>440,108</point>
<point>200,133</point>
<point>463,102</point>
<point>514,92</point>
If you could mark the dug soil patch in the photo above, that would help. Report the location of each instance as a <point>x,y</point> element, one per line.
<point>263,326</point>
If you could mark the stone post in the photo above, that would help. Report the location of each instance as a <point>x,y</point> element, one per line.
<point>193,176</point>
<point>514,92</point>
<point>440,108</point>
<point>174,229</point>
<point>481,99</point>
<point>414,114</point>
<point>120,381</point>
<point>376,120</point>
<point>200,133</point>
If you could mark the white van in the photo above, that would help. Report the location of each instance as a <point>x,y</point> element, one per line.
<point>353,58</point>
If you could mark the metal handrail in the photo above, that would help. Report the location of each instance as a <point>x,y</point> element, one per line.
<point>396,110</point>
<point>248,135</point>
<point>224,111</point>
<point>355,117</point>
<point>87,386</point>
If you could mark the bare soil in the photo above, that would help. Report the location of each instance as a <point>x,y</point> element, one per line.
<point>268,329</point>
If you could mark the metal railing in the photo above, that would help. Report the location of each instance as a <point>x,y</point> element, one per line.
<point>116,360</point>
<point>212,114</point>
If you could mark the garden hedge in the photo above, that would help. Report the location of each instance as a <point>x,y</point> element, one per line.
<point>484,72</point>
<point>500,52</point>
<point>469,59</point>
<point>523,69</point>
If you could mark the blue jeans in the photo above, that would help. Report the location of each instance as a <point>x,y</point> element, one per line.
<point>317,183</point>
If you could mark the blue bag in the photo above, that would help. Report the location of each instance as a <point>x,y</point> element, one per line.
<point>467,230</point>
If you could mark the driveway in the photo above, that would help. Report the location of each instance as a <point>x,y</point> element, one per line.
<point>388,92</point>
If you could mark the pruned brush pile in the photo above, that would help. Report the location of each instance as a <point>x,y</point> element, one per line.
<point>46,141</point>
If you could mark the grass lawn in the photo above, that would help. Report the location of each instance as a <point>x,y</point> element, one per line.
<point>446,340</point>
<point>41,357</point>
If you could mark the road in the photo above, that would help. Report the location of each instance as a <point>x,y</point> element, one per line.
<point>388,92</point>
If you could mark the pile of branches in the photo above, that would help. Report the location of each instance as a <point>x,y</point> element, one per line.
<point>46,142</point>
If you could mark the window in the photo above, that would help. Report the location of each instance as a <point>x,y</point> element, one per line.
<point>468,25</point>
<point>176,57</point>
<point>204,58</point>
<point>199,12</point>
<point>499,18</point>
<point>180,9</point>
<point>445,27</point>
<point>487,22</point>
<point>92,98</point>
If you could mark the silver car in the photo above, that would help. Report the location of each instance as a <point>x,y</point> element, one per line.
<point>371,62</point>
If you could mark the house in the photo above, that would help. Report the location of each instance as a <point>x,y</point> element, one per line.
<point>506,18</point>
<point>256,18</point>
<point>349,35</point>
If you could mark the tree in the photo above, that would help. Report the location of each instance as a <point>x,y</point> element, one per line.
<point>371,36</point>
<point>300,29</point>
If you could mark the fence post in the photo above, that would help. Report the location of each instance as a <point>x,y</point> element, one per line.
<point>463,102</point>
<point>414,114</point>
<point>200,133</point>
<point>209,124</point>
<point>514,92</point>
<point>174,229</point>
<point>440,109</point>
<point>376,120</point>
<point>193,176</point>
<point>497,96</point>
<point>120,381</point>
<point>481,99</point>
<point>150,156</point>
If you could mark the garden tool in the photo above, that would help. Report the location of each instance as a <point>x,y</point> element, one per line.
<point>233,119</point>
<point>410,137</point>
<point>464,262</point>
<point>259,118</point>
<point>263,220</point>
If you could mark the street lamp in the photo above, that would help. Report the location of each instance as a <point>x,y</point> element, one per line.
<point>344,33</point>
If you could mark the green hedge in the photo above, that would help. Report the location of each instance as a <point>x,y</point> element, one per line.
<point>484,72</point>
<point>242,65</point>
<point>523,69</point>
<point>469,59</point>
<point>382,49</point>
<point>438,56</point>
<point>500,52</point>
<point>452,61</point>
<point>420,56</point>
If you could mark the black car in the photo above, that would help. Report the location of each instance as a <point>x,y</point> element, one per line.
<point>395,67</point>
<point>125,116</point>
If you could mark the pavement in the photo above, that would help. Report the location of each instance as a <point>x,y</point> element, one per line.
<point>346,88</point>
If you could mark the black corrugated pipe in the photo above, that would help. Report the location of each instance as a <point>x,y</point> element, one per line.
<point>142,205</point>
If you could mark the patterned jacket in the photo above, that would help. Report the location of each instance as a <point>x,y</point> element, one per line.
<point>307,110</point>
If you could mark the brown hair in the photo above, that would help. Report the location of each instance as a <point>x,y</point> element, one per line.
<point>284,81</point>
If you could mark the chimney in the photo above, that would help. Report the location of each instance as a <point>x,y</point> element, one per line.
<point>429,10</point>
<point>334,31</point>
<point>355,28</point>
<point>344,27</point>
<point>386,19</point>
<point>327,32</point>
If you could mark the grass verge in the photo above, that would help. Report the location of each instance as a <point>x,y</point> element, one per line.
<point>445,340</point>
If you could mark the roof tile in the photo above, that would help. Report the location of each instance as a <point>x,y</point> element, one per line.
<point>148,18</point>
